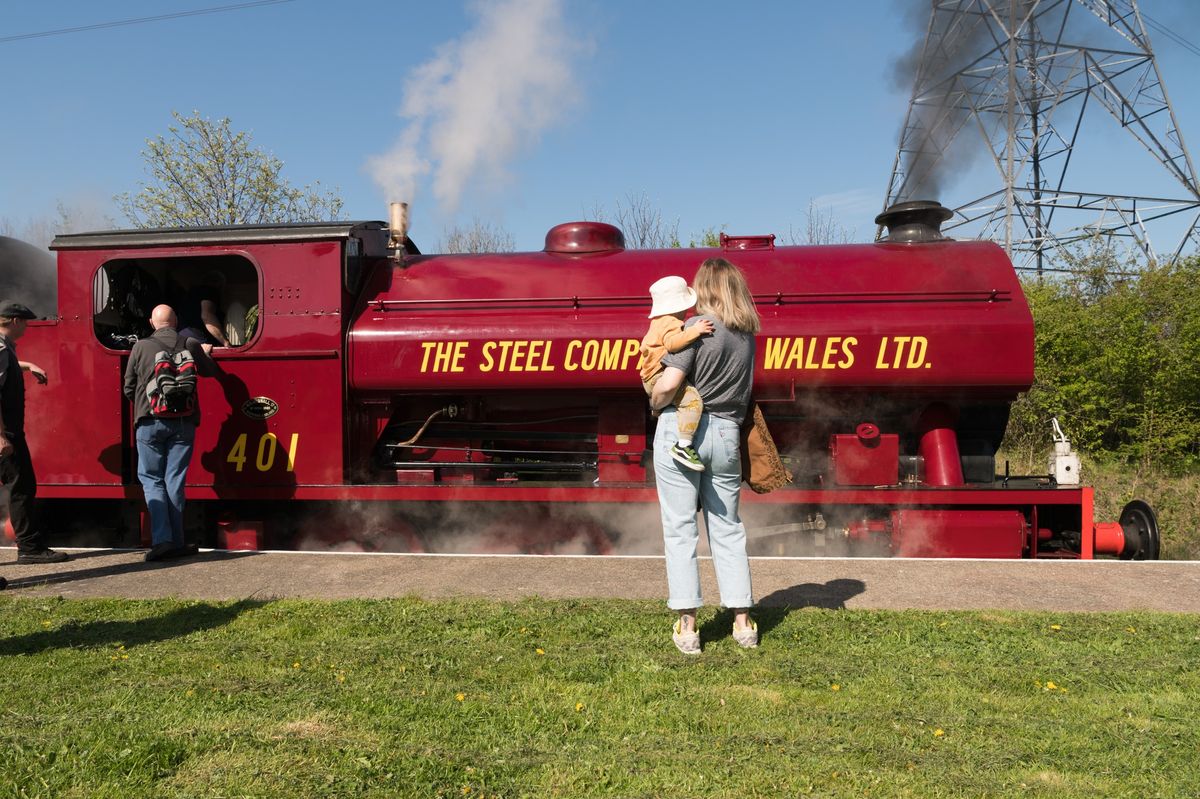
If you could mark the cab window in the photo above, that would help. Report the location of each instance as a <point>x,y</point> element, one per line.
<point>215,297</point>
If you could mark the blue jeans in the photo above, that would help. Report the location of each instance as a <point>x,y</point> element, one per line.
<point>164,449</point>
<point>717,490</point>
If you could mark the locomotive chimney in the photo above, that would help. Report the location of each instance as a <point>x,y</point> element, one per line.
<point>398,224</point>
<point>915,221</point>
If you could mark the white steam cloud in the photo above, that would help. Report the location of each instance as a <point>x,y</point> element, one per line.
<point>480,100</point>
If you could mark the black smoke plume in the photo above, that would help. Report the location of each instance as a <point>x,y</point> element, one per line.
<point>28,275</point>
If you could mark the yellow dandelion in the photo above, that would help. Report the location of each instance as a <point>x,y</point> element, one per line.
<point>939,732</point>
<point>1055,626</point>
<point>540,651</point>
<point>1131,629</point>
<point>835,687</point>
<point>341,677</point>
<point>47,623</point>
<point>578,706</point>
<point>1050,686</point>
<point>296,665</point>
<point>124,657</point>
<point>460,697</point>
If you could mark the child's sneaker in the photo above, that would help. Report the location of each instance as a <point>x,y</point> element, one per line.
<point>688,457</point>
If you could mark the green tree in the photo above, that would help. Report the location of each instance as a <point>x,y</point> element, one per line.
<point>709,237</point>
<point>205,173</point>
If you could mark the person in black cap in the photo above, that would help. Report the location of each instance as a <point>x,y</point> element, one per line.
<point>16,466</point>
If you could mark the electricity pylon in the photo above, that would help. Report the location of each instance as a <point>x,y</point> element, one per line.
<point>1018,77</point>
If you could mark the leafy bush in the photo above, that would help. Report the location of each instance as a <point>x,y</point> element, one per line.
<point>1118,362</point>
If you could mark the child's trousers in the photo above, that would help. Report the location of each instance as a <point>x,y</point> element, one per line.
<point>688,406</point>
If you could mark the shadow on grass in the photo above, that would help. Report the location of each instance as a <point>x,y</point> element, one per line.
<point>774,607</point>
<point>175,624</point>
<point>831,595</point>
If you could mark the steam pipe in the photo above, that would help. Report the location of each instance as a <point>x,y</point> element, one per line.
<point>398,225</point>
<point>450,410</point>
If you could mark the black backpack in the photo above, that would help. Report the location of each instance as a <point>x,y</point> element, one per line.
<point>172,385</point>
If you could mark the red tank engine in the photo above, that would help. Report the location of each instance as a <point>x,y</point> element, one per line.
<point>371,374</point>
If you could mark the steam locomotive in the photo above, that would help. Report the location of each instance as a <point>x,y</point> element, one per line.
<point>364,374</point>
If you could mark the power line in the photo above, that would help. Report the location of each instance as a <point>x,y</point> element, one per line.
<point>1170,34</point>
<point>139,20</point>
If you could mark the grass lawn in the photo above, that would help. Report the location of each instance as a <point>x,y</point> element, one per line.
<point>589,698</point>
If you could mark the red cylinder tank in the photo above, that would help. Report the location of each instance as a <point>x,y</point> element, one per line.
<point>943,319</point>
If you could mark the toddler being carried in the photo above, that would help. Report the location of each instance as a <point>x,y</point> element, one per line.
<point>672,298</point>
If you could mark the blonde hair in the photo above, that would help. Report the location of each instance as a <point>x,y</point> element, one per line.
<point>721,290</point>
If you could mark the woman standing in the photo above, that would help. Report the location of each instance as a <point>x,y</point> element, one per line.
<point>721,367</point>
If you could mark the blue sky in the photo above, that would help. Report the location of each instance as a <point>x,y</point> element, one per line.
<point>722,114</point>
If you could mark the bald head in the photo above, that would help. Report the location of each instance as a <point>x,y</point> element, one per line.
<point>163,316</point>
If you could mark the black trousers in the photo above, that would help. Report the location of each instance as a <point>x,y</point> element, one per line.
<point>18,475</point>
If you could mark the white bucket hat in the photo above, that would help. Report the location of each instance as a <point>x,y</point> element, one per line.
<point>671,295</point>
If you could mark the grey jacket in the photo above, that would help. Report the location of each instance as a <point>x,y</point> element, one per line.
<point>141,368</point>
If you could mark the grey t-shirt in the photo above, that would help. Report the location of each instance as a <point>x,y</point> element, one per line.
<point>721,367</point>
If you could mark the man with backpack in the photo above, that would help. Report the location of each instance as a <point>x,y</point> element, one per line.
<point>161,382</point>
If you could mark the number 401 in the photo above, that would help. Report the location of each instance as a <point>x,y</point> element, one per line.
<point>267,445</point>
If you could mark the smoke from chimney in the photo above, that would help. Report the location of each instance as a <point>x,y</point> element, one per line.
<point>480,100</point>
<point>945,44</point>
<point>29,276</point>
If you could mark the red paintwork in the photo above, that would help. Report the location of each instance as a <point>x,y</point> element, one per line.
<point>1109,538</point>
<point>969,533</point>
<point>544,321</point>
<point>939,446</point>
<point>546,344</point>
<point>917,497</point>
<point>866,458</point>
<point>80,427</point>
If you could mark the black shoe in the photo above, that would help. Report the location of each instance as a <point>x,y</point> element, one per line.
<point>160,551</point>
<point>42,556</point>
<point>184,550</point>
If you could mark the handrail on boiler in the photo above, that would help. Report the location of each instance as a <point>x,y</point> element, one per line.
<point>777,298</point>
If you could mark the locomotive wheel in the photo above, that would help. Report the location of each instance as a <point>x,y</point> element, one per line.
<point>1142,541</point>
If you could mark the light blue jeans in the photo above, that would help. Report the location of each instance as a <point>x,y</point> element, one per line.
<point>717,491</point>
<point>164,448</point>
